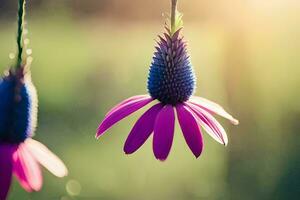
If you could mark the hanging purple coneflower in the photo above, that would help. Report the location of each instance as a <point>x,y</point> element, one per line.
<point>172,82</point>
<point>19,154</point>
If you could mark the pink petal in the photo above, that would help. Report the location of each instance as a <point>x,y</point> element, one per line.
<point>6,167</point>
<point>163,132</point>
<point>213,108</point>
<point>121,112</point>
<point>134,98</point>
<point>208,124</point>
<point>190,129</point>
<point>216,128</point>
<point>27,170</point>
<point>142,129</point>
<point>45,157</point>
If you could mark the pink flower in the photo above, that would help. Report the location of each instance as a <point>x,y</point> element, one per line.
<point>21,155</point>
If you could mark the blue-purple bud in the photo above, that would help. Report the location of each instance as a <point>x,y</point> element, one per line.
<point>18,107</point>
<point>171,78</point>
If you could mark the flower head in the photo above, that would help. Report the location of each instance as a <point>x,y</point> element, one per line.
<point>21,155</point>
<point>171,77</point>
<point>18,107</point>
<point>171,83</point>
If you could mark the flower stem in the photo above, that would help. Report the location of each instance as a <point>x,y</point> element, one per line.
<point>20,42</point>
<point>173,13</point>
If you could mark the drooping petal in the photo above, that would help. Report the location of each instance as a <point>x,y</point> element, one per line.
<point>142,129</point>
<point>45,157</point>
<point>134,98</point>
<point>216,127</point>
<point>121,112</point>
<point>6,167</point>
<point>190,129</point>
<point>27,170</point>
<point>163,132</point>
<point>206,124</point>
<point>213,108</point>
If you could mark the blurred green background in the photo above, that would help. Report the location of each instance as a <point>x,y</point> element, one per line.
<point>90,55</point>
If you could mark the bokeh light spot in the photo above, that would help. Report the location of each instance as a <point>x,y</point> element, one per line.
<point>73,187</point>
<point>26,41</point>
<point>11,55</point>
<point>29,51</point>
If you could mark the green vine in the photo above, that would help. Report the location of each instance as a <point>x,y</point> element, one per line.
<point>20,40</point>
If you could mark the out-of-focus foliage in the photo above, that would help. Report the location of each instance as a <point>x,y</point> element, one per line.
<point>90,55</point>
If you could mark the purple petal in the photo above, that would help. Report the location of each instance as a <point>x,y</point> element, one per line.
<point>213,123</point>
<point>190,129</point>
<point>121,112</point>
<point>27,170</point>
<point>6,166</point>
<point>142,129</point>
<point>134,98</point>
<point>163,132</point>
<point>213,108</point>
<point>207,124</point>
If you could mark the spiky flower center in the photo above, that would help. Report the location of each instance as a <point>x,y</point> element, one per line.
<point>17,109</point>
<point>171,78</point>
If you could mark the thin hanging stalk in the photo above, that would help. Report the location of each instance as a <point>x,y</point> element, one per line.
<point>20,41</point>
<point>173,14</point>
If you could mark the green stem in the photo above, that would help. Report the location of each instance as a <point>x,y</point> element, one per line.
<point>20,43</point>
<point>173,14</point>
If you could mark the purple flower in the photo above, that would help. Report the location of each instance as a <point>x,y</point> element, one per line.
<point>21,155</point>
<point>171,83</point>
